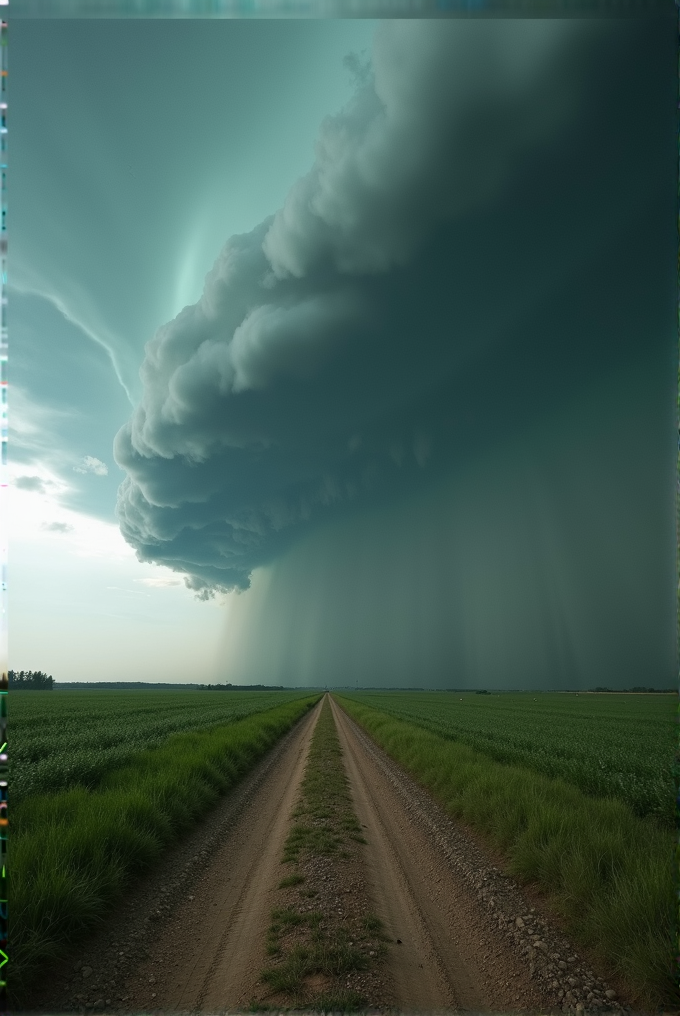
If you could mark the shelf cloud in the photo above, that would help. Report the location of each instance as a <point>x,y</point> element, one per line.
<point>444,274</point>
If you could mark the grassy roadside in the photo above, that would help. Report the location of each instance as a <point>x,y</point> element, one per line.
<point>607,745</point>
<point>74,738</point>
<point>318,957</point>
<point>608,873</point>
<point>73,852</point>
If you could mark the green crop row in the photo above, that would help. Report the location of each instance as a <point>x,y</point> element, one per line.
<point>620,746</point>
<point>608,873</point>
<point>73,851</point>
<point>73,738</point>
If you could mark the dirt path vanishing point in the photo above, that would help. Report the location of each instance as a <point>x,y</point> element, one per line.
<point>192,935</point>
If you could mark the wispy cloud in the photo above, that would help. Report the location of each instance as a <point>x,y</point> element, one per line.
<point>90,464</point>
<point>96,331</point>
<point>32,425</point>
<point>160,583</point>
<point>57,527</point>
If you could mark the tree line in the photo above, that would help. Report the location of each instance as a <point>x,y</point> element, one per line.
<point>636,690</point>
<point>241,687</point>
<point>35,680</point>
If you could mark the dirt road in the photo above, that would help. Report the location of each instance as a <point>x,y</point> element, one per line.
<point>437,963</point>
<point>223,929</point>
<point>457,938</point>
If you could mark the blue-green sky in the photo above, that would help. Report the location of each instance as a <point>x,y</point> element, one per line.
<point>364,330</point>
<point>138,148</point>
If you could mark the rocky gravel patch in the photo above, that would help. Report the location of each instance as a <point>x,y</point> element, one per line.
<point>336,889</point>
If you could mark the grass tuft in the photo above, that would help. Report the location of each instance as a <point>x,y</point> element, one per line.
<point>341,1001</point>
<point>291,880</point>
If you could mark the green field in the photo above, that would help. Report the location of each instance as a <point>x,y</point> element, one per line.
<point>607,745</point>
<point>74,847</point>
<point>73,738</point>
<point>606,870</point>
<point>576,792</point>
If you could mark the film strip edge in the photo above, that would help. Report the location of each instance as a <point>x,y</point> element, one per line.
<point>4,4</point>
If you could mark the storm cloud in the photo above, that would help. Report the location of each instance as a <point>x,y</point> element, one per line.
<point>480,233</point>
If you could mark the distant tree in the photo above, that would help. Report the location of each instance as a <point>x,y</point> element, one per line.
<point>33,680</point>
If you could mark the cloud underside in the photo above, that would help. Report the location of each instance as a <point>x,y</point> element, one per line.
<point>34,484</point>
<point>438,277</point>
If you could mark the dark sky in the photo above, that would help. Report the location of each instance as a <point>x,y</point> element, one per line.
<point>452,353</point>
<point>487,228</point>
<point>423,415</point>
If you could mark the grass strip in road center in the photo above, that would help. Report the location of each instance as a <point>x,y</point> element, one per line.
<point>73,852</point>
<point>325,944</point>
<point>608,873</point>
